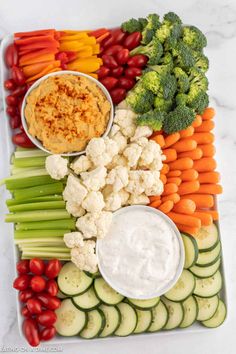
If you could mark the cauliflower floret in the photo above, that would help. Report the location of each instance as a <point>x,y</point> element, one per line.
<point>94,225</point>
<point>84,257</point>
<point>93,202</point>
<point>135,186</point>
<point>114,129</point>
<point>123,105</point>
<point>138,199</point>
<point>124,196</point>
<point>56,166</point>
<point>113,202</point>
<point>118,177</point>
<point>74,190</point>
<point>121,141</point>
<point>73,239</point>
<point>74,209</point>
<point>133,153</point>
<point>157,187</point>
<point>126,120</point>
<point>95,179</point>
<point>118,160</point>
<point>101,151</point>
<point>103,223</point>
<point>150,152</point>
<point>142,132</point>
<point>142,141</point>
<point>81,164</point>
<point>156,165</point>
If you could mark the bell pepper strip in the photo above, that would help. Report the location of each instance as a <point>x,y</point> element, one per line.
<point>52,48</point>
<point>70,46</point>
<point>74,31</point>
<point>102,37</point>
<point>34,69</point>
<point>95,76</point>
<point>39,59</point>
<point>34,33</point>
<point>78,36</point>
<point>39,45</point>
<point>96,48</point>
<point>99,32</point>
<point>85,52</point>
<point>36,39</point>
<point>66,56</point>
<point>87,65</point>
<point>89,41</point>
<point>41,73</point>
<point>33,57</point>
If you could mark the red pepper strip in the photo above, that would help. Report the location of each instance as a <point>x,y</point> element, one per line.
<point>71,56</point>
<point>100,39</point>
<point>35,56</point>
<point>34,69</point>
<point>41,73</point>
<point>34,33</point>
<point>35,39</point>
<point>99,32</point>
<point>32,53</point>
<point>66,56</point>
<point>57,35</point>
<point>39,59</point>
<point>39,45</point>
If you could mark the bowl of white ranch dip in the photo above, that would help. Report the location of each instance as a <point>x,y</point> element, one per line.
<point>142,255</point>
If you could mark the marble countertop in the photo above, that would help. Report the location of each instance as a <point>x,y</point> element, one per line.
<point>217,18</point>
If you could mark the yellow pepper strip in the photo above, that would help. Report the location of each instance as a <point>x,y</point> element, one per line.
<point>71,45</point>
<point>86,52</point>
<point>75,31</point>
<point>89,40</point>
<point>86,65</point>
<point>79,36</point>
<point>93,75</point>
<point>96,48</point>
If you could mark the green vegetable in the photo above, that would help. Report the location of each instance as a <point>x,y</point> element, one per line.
<point>163,105</point>
<point>198,100</point>
<point>152,50</point>
<point>198,79</point>
<point>153,119</point>
<point>30,161</point>
<point>201,61</point>
<point>46,198</point>
<point>140,99</point>
<point>37,215</point>
<point>38,206</point>
<point>47,225</point>
<point>25,182</point>
<point>181,99</point>
<point>170,30</point>
<point>132,25</point>
<point>194,38</point>
<point>182,80</point>
<point>30,153</point>
<point>183,55</point>
<point>180,118</point>
<point>27,193</point>
<point>153,23</point>
<point>29,234</point>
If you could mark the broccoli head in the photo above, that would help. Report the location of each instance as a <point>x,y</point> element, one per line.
<point>171,17</point>
<point>153,22</point>
<point>170,30</point>
<point>143,22</point>
<point>151,81</point>
<point>201,61</point>
<point>165,65</point>
<point>181,99</point>
<point>132,25</point>
<point>180,118</point>
<point>152,50</point>
<point>140,99</point>
<point>182,80</point>
<point>198,79</point>
<point>153,118</point>
<point>194,38</point>
<point>168,86</point>
<point>162,105</point>
<point>163,85</point>
<point>183,56</point>
<point>197,99</point>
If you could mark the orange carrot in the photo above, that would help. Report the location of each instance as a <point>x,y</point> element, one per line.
<point>186,144</point>
<point>165,169</point>
<point>185,206</point>
<point>206,219</point>
<point>209,113</point>
<point>213,213</point>
<point>208,150</point>
<point>195,154</point>
<point>41,73</point>
<point>166,207</point>
<point>170,188</point>
<point>201,200</point>
<point>153,198</point>
<point>206,126</point>
<point>205,164</point>
<point>171,139</point>
<point>184,163</point>
<point>189,175</point>
<point>189,187</point>
<point>197,121</point>
<point>175,173</point>
<point>203,138</point>
<point>185,133</point>
<point>159,139</point>
<point>209,177</point>
<point>163,178</point>
<point>174,197</point>
<point>175,180</point>
<point>155,204</point>
<point>184,219</point>
<point>210,188</point>
<point>170,154</point>
<point>187,229</point>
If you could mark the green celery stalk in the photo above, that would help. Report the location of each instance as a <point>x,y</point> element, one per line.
<point>30,161</point>
<point>38,206</point>
<point>46,255</point>
<point>47,225</point>
<point>38,191</point>
<point>47,249</point>
<point>41,244</point>
<point>39,233</point>
<point>18,170</point>
<point>46,198</point>
<point>28,173</point>
<point>30,153</point>
<point>42,240</point>
<point>36,215</point>
<point>19,183</point>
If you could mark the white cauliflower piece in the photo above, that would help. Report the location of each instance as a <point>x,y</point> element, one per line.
<point>93,202</point>
<point>121,141</point>
<point>118,160</point>
<point>135,185</point>
<point>95,179</point>
<point>74,209</point>
<point>84,257</point>
<point>73,239</point>
<point>124,196</point>
<point>123,105</point>
<point>94,225</point>
<point>133,153</point>
<point>142,141</point>
<point>101,150</point>
<point>156,164</point>
<point>138,199</point>
<point>113,202</point>
<point>74,190</point>
<point>56,166</point>
<point>142,132</point>
<point>103,223</point>
<point>114,129</point>
<point>150,152</point>
<point>126,120</point>
<point>118,177</point>
<point>81,164</point>
<point>157,187</point>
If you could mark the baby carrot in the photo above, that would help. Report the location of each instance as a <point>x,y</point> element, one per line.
<point>175,173</point>
<point>184,219</point>
<point>210,188</point>
<point>153,198</point>
<point>189,175</point>
<point>175,180</point>
<point>166,206</point>
<point>189,187</point>
<point>203,138</point>
<point>184,163</point>
<point>206,219</point>
<point>205,164</point>
<point>209,177</point>
<point>185,206</point>
<point>165,169</point>
<point>201,200</point>
<point>209,113</point>
<point>170,154</point>
<point>159,139</point>
<point>213,213</point>
<point>186,144</point>
<point>187,229</point>
<point>163,178</point>
<point>195,154</point>
<point>197,121</point>
<point>170,188</point>
<point>206,126</point>
<point>185,133</point>
<point>171,139</point>
<point>208,150</point>
<point>155,204</point>
<point>174,197</point>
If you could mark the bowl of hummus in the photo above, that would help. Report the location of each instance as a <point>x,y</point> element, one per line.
<point>63,111</point>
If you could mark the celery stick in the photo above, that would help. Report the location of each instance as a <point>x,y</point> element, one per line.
<point>30,153</point>
<point>36,215</point>
<point>40,233</point>
<point>38,191</point>
<point>19,183</point>
<point>47,249</point>
<point>46,198</point>
<point>18,170</point>
<point>30,161</point>
<point>29,173</point>
<point>41,244</point>
<point>43,240</point>
<point>38,206</point>
<point>46,256</point>
<point>47,225</point>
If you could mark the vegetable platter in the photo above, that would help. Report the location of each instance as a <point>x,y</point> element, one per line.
<point>158,153</point>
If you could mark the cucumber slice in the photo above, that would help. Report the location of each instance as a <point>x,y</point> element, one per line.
<point>61,296</point>
<point>205,272</point>
<point>113,319</point>
<point>207,238</point>
<point>144,304</point>
<point>94,326</point>
<point>208,287</point>
<point>87,301</point>
<point>93,275</point>
<point>190,312</point>
<point>105,293</point>
<point>175,313</point>
<point>144,321</point>
<point>70,320</point>
<point>206,307</point>
<point>218,318</point>
<point>72,281</point>
<point>183,288</point>
<point>128,320</point>
<point>191,250</point>
<point>206,259</point>
<point>159,317</point>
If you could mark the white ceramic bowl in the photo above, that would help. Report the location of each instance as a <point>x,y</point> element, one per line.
<point>110,279</point>
<point>36,141</point>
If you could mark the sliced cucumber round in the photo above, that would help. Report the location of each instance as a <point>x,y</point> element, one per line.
<point>190,312</point>
<point>206,307</point>
<point>73,281</point>
<point>144,321</point>
<point>128,320</point>
<point>183,288</point>
<point>95,324</point>
<point>61,296</point>
<point>175,313</point>
<point>113,319</point>
<point>105,293</point>
<point>93,275</point>
<point>87,301</point>
<point>218,318</point>
<point>144,304</point>
<point>159,317</point>
<point>208,287</point>
<point>205,259</point>
<point>70,320</point>
<point>205,272</point>
<point>191,250</point>
<point>207,238</point>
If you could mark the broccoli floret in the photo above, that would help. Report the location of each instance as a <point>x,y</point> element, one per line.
<point>165,65</point>
<point>168,86</point>
<point>151,81</point>
<point>132,25</point>
<point>163,85</point>
<point>170,30</point>
<point>198,100</point>
<point>201,61</point>
<point>183,56</point>
<point>143,22</point>
<point>198,79</point>
<point>140,99</point>
<point>180,118</point>
<point>181,99</point>
<point>194,38</point>
<point>172,18</point>
<point>154,119</point>
<point>182,80</point>
<point>153,22</point>
<point>153,50</point>
<point>163,105</point>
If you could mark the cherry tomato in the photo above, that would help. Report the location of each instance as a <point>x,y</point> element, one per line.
<point>48,333</point>
<point>63,66</point>
<point>17,75</point>
<point>22,267</point>
<point>15,121</point>
<point>126,83</point>
<point>138,60</point>
<point>31,332</point>
<point>109,61</point>
<point>25,295</point>
<point>9,84</point>
<point>25,312</point>
<point>34,306</point>
<point>103,71</point>
<point>21,139</point>
<point>22,282</point>
<point>47,318</point>
<point>107,42</point>
<point>53,268</point>
<point>132,40</point>
<point>113,49</point>
<point>48,301</point>
<point>19,91</point>
<point>131,73</point>
<point>11,100</point>
<point>118,95</point>
<point>37,266</point>
<point>11,55</point>
<point>20,104</point>
<point>11,111</point>
<point>52,287</point>
<point>122,56</point>
<point>118,35</point>
<point>38,283</point>
<point>109,82</point>
<point>117,72</point>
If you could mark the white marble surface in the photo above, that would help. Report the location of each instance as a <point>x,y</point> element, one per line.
<point>217,18</point>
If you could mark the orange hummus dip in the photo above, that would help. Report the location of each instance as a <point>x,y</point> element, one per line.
<point>66,111</point>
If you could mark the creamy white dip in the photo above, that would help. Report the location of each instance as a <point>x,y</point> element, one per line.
<point>141,253</point>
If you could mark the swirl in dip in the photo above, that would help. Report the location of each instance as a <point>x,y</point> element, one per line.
<point>66,111</point>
